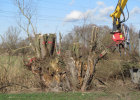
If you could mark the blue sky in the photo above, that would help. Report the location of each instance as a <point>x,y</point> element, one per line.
<point>61,15</point>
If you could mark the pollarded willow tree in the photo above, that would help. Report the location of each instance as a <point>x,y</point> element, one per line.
<point>72,65</point>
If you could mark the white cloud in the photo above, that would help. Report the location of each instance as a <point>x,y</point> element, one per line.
<point>135,10</point>
<point>105,11</point>
<point>77,15</point>
<point>74,16</point>
<point>100,3</point>
<point>99,13</point>
<point>89,12</point>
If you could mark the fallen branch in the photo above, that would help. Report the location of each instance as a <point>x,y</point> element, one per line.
<point>13,84</point>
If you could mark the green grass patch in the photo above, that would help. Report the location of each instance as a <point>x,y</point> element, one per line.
<point>70,96</point>
<point>53,96</point>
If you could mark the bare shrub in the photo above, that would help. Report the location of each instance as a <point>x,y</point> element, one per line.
<point>13,76</point>
<point>11,39</point>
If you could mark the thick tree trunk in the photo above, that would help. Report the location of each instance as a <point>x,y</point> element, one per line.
<point>70,66</point>
<point>60,38</point>
<point>42,47</point>
<point>87,75</point>
<point>45,36</point>
<point>51,44</point>
<point>37,45</point>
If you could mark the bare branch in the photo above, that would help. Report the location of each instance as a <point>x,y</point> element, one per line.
<point>27,15</point>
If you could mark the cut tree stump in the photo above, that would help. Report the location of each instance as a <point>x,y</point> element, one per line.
<point>51,44</point>
<point>43,47</point>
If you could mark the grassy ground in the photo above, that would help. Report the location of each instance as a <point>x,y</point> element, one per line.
<point>52,96</point>
<point>71,96</point>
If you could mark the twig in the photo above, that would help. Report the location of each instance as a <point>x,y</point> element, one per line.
<point>12,84</point>
<point>20,49</point>
<point>100,81</point>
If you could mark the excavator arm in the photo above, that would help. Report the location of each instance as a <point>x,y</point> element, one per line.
<point>116,15</point>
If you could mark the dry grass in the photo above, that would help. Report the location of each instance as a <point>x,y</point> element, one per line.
<point>107,69</point>
<point>13,75</point>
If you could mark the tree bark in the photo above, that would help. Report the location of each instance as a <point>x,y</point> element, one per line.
<point>51,44</point>
<point>37,45</point>
<point>70,66</point>
<point>86,78</point>
<point>42,47</point>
